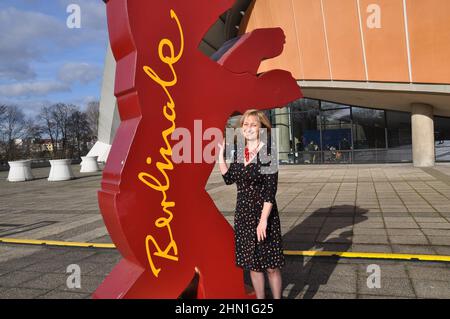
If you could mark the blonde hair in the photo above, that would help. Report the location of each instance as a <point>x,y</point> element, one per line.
<point>263,121</point>
<point>262,118</point>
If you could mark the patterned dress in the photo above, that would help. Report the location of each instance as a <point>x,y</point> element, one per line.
<point>254,187</point>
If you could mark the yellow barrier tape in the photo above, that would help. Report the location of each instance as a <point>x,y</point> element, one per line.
<point>341,254</point>
<point>54,243</point>
<point>308,253</point>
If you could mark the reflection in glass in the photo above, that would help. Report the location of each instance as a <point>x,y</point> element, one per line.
<point>368,128</point>
<point>306,134</point>
<point>281,121</point>
<point>304,105</point>
<point>337,133</point>
<point>399,136</point>
<point>330,105</point>
<point>399,129</point>
<point>442,138</point>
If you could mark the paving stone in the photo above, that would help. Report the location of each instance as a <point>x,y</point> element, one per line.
<point>294,236</point>
<point>339,247</point>
<point>367,248</point>
<point>88,284</point>
<point>15,278</point>
<point>17,264</point>
<point>431,289</point>
<point>362,296</point>
<point>324,270</point>
<point>103,270</point>
<point>64,295</point>
<point>401,225</point>
<point>326,295</point>
<point>47,266</point>
<point>369,231</point>
<point>368,208</point>
<point>442,250</point>
<point>430,220</point>
<point>398,287</point>
<point>369,225</point>
<point>409,240</point>
<point>21,293</point>
<point>399,220</point>
<point>429,273</point>
<point>439,240</point>
<point>435,225</point>
<point>46,281</point>
<point>306,230</point>
<point>370,239</point>
<point>102,257</point>
<point>387,271</point>
<point>436,232</point>
<point>413,249</point>
<point>345,284</point>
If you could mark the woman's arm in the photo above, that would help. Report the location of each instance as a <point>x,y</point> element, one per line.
<point>270,185</point>
<point>222,164</point>
<point>266,210</point>
<point>229,174</point>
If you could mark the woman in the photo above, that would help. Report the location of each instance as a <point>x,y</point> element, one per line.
<point>257,228</point>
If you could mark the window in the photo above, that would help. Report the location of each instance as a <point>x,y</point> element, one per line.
<point>304,105</point>
<point>305,127</point>
<point>368,128</point>
<point>442,138</point>
<point>399,129</point>
<point>331,106</point>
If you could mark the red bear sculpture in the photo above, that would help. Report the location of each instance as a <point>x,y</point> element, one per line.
<point>158,213</point>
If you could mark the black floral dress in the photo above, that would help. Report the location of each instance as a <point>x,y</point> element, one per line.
<point>254,187</point>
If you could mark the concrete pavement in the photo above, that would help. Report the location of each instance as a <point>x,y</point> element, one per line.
<point>356,208</point>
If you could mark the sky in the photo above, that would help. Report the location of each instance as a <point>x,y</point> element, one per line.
<point>43,61</point>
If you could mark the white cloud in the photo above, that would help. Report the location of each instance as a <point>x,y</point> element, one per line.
<point>79,72</point>
<point>33,36</point>
<point>34,45</point>
<point>37,88</point>
<point>31,108</point>
<point>16,71</point>
<point>22,40</point>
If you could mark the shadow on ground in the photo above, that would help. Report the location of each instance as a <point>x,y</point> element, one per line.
<point>304,275</point>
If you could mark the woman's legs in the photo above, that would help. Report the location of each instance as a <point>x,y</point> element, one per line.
<point>258,283</point>
<point>275,282</point>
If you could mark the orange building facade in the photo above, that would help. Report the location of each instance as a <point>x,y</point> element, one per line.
<point>375,75</point>
<point>386,55</point>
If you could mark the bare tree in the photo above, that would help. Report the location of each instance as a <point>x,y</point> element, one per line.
<point>93,113</point>
<point>2,111</point>
<point>79,132</point>
<point>62,114</point>
<point>2,142</point>
<point>68,129</point>
<point>32,137</point>
<point>56,122</point>
<point>50,127</point>
<point>12,129</point>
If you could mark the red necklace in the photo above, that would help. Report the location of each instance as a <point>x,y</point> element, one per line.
<point>247,153</point>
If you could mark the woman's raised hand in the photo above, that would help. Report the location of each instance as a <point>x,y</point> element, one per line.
<point>221,152</point>
<point>221,147</point>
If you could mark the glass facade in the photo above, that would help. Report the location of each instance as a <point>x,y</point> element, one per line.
<point>321,132</point>
<point>442,138</point>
